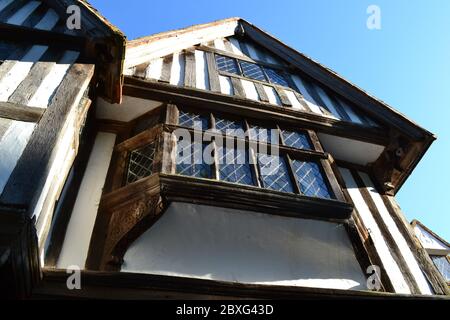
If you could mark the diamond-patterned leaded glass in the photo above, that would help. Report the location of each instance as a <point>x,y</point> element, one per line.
<point>274,173</point>
<point>442,265</point>
<point>261,134</point>
<point>227,64</point>
<point>140,164</point>
<point>234,166</point>
<point>310,179</point>
<point>276,78</point>
<point>228,126</point>
<point>190,160</point>
<point>252,71</point>
<point>192,120</point>
<point>296,140</point>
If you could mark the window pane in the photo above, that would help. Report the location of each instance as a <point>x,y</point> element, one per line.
<point>442,265</point>
<point>234,166</point>
<point>190,160</point>
<point>310,179</point>
<point>296,140</point>
<point>191,120</point>
<point>274,173</point>
<point>226,64</point>
<point>252,71</point>
<point>276,77</point>
<point>140,164</point>
<point>261,134</point>
<point>226,126</point>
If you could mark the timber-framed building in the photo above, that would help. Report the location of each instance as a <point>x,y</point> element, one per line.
<point>94,175</point>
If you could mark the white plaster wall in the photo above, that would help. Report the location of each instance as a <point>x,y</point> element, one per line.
<point>240,246</point>
<point>76,242</point>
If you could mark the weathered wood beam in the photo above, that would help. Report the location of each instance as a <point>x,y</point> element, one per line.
<point>388,238</point>
<point>32,168</point>
<point>248,108</point>
<point>433,276</point>
<point>20,112</point>
<point>112,284</point>
<point>42,37</point>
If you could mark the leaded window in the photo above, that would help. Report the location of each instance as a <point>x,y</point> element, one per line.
<point>276,78</point>
<point>443,265</point>
<point>227,126</point>
<point>192,120</point>
<point>310,179</point>
<point>261,134</point>
<point>227,64</point>
<point>140,164</point>
<point>297,140</point>
<point>253,71</point>
<point>190,161</point>
<point>234,166</point>
<point>246,162</point>
<point>274,173</point>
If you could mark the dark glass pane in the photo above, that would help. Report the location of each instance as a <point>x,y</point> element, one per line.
<point>190,160</point>
<point>276,77</point>
<point>442,265</point>
<point>252,71</point>
<point>140,164</point>
<point>296,140</point>
<point>274,173</point>
<point>227,126</point>
<point>234,166</point>
<point>226,64</point>
<point>191,120</point>
<point>310,178</point>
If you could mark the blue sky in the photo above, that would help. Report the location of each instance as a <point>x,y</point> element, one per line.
<point>406,63</point>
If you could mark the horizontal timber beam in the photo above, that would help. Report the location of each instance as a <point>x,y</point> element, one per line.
<point>146,89</point>
<point>122,285</point>
<point>19,112</point>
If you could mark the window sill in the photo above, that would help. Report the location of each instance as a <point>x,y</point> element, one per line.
<point>244,197</point>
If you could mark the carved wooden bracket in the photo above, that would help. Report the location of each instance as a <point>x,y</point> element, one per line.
<point>123,216</point>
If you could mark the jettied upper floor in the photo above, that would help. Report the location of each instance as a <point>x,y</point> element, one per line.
<point>236,63</point>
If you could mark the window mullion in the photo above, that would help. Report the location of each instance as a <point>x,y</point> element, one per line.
<point>295,183</point>
<point>238,62</point>
<point>265,74</point>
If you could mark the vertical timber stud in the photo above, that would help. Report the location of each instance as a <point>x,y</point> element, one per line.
<point>435,279</point>
<point>189,71</point>
<point>19,255</point>
<point>388,238</point>
<point>212,72</point>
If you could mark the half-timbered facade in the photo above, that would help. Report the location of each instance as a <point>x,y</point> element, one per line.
<point>212,161</point>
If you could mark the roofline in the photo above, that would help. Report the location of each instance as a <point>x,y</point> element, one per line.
<point>342,79</point>
<point>330,72</point>
<point>166,34</point>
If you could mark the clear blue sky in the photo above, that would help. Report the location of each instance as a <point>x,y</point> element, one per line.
<point>406,63</point>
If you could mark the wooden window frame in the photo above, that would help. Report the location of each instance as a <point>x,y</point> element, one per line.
<point>289,154</point>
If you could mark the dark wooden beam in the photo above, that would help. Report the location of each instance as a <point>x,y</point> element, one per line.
<point>433,276</point>
<point>229,195</point>
<point>43,37</point>
<point>29,175</point>
<point>20,112</point>
<point>19,255</point>
<point>122,285</point>
<point>388,238</point>
<point>247,108</point>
